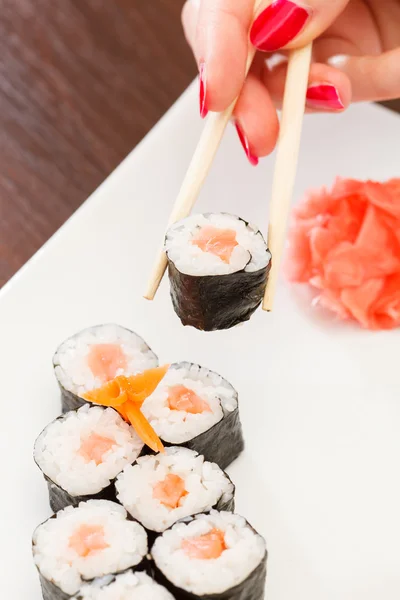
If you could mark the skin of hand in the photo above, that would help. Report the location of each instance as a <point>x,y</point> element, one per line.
<point>356,57</point>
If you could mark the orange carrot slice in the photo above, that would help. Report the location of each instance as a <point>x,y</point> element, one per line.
<point>205,547</point>
<point>140,386</point>
<point>135,388</point>
<point>143,427</point>
<point>112,393</point>
<point>126,395</point>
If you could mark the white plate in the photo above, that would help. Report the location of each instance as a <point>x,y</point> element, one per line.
<point>320,401</point>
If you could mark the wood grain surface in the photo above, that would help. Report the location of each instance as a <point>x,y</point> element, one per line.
<point>81,82</point>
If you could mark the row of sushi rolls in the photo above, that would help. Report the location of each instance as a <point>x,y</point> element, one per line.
<point>135,465</point>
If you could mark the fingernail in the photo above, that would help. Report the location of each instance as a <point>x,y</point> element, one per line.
<point>278,24</point>
<point>245,143</point>
<point>203,90</point>
<point>338,61</point>
<point>324,96</point>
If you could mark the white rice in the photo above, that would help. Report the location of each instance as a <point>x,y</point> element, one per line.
<point>61,564</point>
<point>205,484</point>
<point>178,426</point>
<point>57,449</point>
<point>245,550</point>
<point>128,586</point>
<point>70,360</point>
<point>251,253</point>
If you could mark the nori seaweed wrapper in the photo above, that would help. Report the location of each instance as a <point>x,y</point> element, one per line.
<point>51,591</point>
<point>252,588</point>
<point>214,302</point>
<point>222,443</point>
<point>60,498</point>
<point>70,400</point>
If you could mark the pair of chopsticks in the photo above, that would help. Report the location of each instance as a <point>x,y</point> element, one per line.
<point>284,173</point>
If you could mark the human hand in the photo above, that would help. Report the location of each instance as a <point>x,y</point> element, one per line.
<point>356,57</point>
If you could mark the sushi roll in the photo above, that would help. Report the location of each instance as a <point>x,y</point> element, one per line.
<point>96,355</point>
<point>77,545</point>
<point>215,556</point>
<point>161,489</point>
<point>82,452</point>
<point>127,586</point>
<point>197,408</point>
<point>218,268</point>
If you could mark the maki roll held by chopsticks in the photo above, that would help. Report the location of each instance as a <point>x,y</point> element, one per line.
<point>218,268</point>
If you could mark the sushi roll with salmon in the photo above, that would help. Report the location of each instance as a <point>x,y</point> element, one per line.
<point>196,408</point>
<point>89,359</point>
<point>82,452</point>
<point>80,544</point>
<point>127,586</point>
<point>160,489</point>
<point>218,556</point>
<point>218,268</point>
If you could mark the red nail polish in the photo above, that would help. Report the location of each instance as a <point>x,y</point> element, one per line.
<point>245,143</point>
<point>324,96</point>
<point>278,24</point>
<point>203,90</point>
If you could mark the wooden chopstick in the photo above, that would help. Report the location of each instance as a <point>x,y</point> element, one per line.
<point>192,184</point>
<point>286,161</point>
<point>196,174</point>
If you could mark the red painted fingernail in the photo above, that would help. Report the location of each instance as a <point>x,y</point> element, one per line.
<point>324,96</point>
<point>203,90</point>
<point>278,24</point>
<point>245,143</point>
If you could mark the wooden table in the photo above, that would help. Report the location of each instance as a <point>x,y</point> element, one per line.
<point>81,82</point>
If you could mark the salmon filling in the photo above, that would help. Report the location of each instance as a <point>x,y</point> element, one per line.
<point>88,540</point>
<point>95,447</point>
<point>205,547</point>
<point>126,395</point>
<point>182,398</point>
<point>104,360</point>
<point>220,242</point>
<point>170,491</point>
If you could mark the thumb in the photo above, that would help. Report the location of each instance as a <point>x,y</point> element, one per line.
<point>292,24</point>
<point>372,77</point>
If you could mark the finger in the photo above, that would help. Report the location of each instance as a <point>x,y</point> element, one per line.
<point>256,120</point>
<point>372,77</point>
<point>221,48</point>
<point>289,24</point>
<point>190,15</point>
<point>328,89</point>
